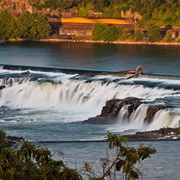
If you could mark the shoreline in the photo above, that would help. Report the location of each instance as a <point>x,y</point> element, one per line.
<point>114,42</point>
<point>95,42</point>
<point>163,134</point>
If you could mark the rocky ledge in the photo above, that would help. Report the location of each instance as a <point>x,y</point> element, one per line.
<point>112,108</point>
<point>157,135</point>
<point>14,139</point>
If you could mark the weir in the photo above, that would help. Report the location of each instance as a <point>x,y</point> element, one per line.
<point>48,69</point>
<point>90,72</point>
<point>87,94</point>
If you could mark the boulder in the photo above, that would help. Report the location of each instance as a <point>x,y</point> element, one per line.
<point>14,139</point>
<point>2,87</point>
<point>111,110</point>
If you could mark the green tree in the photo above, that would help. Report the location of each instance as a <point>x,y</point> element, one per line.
<point>153,33</point>
<point>32,26</point>
<point>7,25</point>
<point>29,162</point>
<point>97,31</point>
<point>40,26</point>
<point>110,33</point>
<point>124,34</point>
<point>126,159</point>
<point>168,36</point>
<point>84,9</point>
<point>24,25</point>
<point>138,35</point>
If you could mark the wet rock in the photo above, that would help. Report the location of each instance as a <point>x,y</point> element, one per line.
<point>156,135</point>
<point>2,87</point>
<point>152,110</point>
<point>111,110</point>
<point>14,139</point>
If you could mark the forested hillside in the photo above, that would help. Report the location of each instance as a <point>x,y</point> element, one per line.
<point>159,12</point>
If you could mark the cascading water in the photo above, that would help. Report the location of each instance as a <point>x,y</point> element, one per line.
<point>163,118</point>
<point>87,95</point>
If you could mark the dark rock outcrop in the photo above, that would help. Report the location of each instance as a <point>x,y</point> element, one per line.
<point>14,139</point>
<point>161,134</point>
<point>111,110</point>
<point>2,87</point>
<point>152,110</point>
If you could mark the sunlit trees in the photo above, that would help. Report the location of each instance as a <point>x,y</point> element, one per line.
<point>32,26</point>
<point>7,25</point>
<point>97,31</point>
<point>124,34</point>
<point>111,33</point>
<point>107,33</point>
<point>138,35</point>
<point>154,33</point>
<point>168,36</point>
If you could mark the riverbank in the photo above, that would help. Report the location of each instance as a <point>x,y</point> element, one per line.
<point>156,135</point>
<point>114,42</point>
<point>98,42</point>
<point>163,134</point>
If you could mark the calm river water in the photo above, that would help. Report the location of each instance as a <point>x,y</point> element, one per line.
<point>49,107</point>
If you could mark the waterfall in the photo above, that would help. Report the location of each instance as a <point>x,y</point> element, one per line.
<point>87,94</point>
<point>73,92</point>
<point>136,119</point>
<point>164,118</point>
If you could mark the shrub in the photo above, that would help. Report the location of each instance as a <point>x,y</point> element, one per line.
<point>32,26</point>
<point>178,40</point>
<point>7,25</point>
<point>168,36</point>
<point>124,34</point>
<point>97,31</point>
<point>138,35</point>
<point>154,33</point>
<point>110,33</point>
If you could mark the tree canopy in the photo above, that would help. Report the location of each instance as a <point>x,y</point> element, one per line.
<point>32,26</point>
<point>7,25</point>
<point>28,26</point>
<point>159,12</point>
<point>31,162</point>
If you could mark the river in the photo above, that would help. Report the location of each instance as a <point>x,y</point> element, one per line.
<point>48,107</point>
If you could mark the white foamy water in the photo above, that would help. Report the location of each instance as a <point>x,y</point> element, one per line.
<point>64,98</point>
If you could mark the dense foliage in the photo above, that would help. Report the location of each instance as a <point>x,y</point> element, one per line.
<point>30,162</point>
<point>7,25</point>
<point>159,12</point>
<point>154,33</point>
<point>138,35</point>
<point>106,33</point>
<point>28,26</point>
<point>110,33</point>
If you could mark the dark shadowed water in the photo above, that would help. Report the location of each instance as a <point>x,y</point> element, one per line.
<point>154,58</point>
